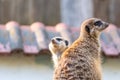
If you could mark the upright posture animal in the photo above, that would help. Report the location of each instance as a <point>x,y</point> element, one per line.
<point>81,61</point>
<point>57,46</point>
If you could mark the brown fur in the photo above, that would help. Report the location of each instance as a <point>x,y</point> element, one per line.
<point>81,61</point>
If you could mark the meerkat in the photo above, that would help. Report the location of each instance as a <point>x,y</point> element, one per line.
<point>81,61</point>
<point>57,46</point>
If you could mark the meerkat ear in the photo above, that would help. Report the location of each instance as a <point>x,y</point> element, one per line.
<point>87,28</point>
<point>66,42</point>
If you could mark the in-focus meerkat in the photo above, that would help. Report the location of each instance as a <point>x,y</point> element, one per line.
<point>57,46</point>
<point>81,61</point>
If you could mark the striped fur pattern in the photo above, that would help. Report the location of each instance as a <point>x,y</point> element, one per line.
<point>81,61</point>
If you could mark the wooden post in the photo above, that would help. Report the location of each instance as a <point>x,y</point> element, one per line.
<point>114,12</point>
<point>15,36</point>
<point>29,41</point>
<point>40,34</point>
<point>64,32</point>
<point>101,9</point>
<point>73,12</point>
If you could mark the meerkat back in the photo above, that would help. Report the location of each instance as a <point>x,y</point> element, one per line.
<point>81,61</point>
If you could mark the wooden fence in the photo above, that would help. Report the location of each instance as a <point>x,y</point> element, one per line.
<point>28,11</point>
<point>48,11</point>
<point>108,10</point>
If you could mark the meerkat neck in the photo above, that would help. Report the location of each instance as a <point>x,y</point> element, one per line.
<point>94,39</point>
<point>56,58</point>
<point>58,54</point>
<point>91,43</point>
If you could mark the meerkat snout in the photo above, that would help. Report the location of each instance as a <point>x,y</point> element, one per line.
<point>101,25</point>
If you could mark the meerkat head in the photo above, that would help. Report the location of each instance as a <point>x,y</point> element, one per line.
<point>58,45</point>
<point>93,27</point>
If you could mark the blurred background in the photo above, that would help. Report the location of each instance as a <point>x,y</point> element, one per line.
<point>54,11</point>
<point>32,59</point>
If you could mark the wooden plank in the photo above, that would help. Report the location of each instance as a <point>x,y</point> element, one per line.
<point>4,11</point>
<point>29,40</point>
<point>108,45</point>
<point>15,36</point>
<point>29,11</point>
<point>51,32</point>
<point>114,12</point>
<point>73,12</point>
<point>75,32</point>
<point>112,31</point>
<point>101,9</point>
<point>64,31</point>
<point>52,12</point>
<point>41,35</point>
<point>4,40</point>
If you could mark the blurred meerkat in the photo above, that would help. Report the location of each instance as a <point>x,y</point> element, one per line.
<point>57,46</point>
<point>81,61</point>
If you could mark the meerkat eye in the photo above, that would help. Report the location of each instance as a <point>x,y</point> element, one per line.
<point>87,28</point>
<point>98,23</point>
<point>66,42</point>
<point>58,39</point>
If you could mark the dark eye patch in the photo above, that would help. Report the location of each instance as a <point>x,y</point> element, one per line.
<point>58,39</point>
<point>98,23</point>
<point>87,28</point>
<point>66,42</point>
